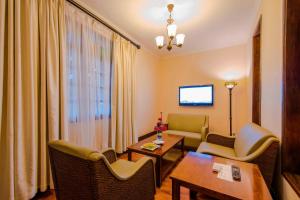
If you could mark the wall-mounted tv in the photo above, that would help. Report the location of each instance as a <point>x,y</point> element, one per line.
<point>196,95</point>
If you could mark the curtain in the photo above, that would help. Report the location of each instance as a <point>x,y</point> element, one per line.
<point>89,48</point>
<point>32,93</point>
<point>123,94</point>
<point>2,46</point>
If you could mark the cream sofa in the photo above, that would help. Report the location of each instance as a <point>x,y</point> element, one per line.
<point>193,127</point>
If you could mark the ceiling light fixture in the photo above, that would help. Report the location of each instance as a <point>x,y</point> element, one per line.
<point>171,30</point>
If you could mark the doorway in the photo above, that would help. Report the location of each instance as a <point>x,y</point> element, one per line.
<point>256,80</point>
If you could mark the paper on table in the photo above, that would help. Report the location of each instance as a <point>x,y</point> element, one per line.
<point>224,171</point>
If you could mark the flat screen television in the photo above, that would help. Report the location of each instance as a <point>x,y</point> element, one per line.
<point>196,95</point>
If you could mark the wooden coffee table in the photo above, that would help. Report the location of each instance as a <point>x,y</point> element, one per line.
<point>162,166</point>
<point>195,172</point>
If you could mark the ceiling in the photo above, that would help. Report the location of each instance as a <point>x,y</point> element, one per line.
<point>207,24</point>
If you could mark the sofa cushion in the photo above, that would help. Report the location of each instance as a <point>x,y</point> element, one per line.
<point>191,139</point>
<point>249,139</point>
<point>123,167</point>
<point>215,149</point>
<point>186,122</point>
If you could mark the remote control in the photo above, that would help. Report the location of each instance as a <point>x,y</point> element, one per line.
<point>236,175</point>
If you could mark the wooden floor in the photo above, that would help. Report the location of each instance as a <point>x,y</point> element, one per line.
<point>162,193</point>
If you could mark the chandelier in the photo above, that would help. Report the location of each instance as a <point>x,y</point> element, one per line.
<point>171,30</point>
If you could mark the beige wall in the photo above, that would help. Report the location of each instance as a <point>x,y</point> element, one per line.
<point>271,64</point>
<point>271,75</point>
<point>147,102</point>
<point>208,67</point>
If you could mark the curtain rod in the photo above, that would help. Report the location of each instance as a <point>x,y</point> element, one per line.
<point>102,22</point>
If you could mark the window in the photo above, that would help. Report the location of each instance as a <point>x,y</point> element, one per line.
<point>89,70</point>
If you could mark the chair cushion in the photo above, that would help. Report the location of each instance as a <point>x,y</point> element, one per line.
<point>214,149</point>
<point>249,139</point>
<point>186,122</point>
<point>191,139</point>
<point>123,168</point>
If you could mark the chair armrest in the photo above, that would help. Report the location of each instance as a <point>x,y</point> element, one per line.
<point>142,163</point>
<point>138,176</point>
<point>139,169</point>
<point>227,141</point>
<point>142,166</point>
<point>110,155</point>
<point>138,166</point>
<point>256,154</point>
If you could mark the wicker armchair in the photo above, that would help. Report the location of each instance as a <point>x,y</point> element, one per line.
<point>253,144</point>
<point>81,173</point>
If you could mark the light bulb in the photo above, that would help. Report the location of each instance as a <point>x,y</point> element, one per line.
<point>159,41</point>
<point>171,30</point>
<point>180,39</point>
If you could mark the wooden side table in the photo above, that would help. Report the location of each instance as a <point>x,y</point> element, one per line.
<point>195,172</point>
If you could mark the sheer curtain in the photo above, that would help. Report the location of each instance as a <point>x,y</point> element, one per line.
<point>88,60</point>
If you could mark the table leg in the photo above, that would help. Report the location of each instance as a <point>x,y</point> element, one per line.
<point>193,194</point>
<point>158,171</point>
<point>129,155</point>
<point>175,190</point>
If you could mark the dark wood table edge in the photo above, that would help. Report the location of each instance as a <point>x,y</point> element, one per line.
<point>150,153</point>
<point>176,184</point>
<point>158,164</point>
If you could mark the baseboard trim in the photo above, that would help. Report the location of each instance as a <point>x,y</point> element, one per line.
<point>146,135</point>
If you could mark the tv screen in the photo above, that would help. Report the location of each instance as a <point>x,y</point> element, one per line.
<point>196,95</point>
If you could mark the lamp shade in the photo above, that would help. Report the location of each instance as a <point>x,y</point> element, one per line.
<point>180,39</point>
<point>230,84</point>
<point>159,41</point>
<point>171,30</point>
